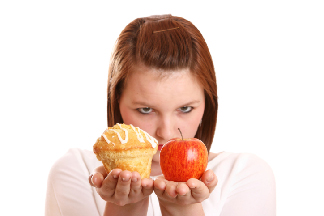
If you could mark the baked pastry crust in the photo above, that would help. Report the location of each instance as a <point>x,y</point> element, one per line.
<point>126,147</point>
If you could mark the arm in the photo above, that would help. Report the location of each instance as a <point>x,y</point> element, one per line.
<point>250,187</point>
<point>136,209</point>
<point>68,189</point>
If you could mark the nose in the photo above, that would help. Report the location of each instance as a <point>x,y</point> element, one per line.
<point>165,129</point>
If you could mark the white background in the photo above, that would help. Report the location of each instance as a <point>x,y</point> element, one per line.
<point>268,58</point>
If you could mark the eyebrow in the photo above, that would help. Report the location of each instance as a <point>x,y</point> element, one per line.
<point>144,104</point>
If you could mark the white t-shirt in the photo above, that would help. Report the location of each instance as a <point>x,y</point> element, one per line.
<point>246,187</point>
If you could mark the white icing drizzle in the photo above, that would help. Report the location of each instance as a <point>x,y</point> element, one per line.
<point>139,136</point>
<point>107,140</point>
<point>122,141</point>
<point>151,139</point>
<point>138,133</point>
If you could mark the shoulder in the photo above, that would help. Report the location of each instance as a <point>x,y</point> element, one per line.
<point>243,179</point>
<point>239,162</point>
<point>74,165</point>
<point>242,167</point>
<point>79,155</point>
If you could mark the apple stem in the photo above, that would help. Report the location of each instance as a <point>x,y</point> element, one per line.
<point>180,133</point>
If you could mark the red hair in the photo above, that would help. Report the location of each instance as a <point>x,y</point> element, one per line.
<point>165,42</point>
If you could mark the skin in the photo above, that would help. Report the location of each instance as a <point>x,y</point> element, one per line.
<point>158,104</point>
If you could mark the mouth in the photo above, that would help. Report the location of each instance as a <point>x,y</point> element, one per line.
<point>160,146</point>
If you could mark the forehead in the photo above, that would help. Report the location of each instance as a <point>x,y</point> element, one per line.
<point>172,86</point>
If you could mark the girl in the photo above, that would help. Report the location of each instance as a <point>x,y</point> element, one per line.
<point>161,78</point>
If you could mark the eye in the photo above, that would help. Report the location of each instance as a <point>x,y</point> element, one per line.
<point>145,110</point>
<point>186,109</point>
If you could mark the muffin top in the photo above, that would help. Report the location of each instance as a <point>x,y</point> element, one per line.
<point>123,137</point>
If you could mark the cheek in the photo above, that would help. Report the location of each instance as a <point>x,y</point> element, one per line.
<point>146,126</point>
<point>132,117</point>
<point>194,121</point>
<point>126,114</point>
<point>129,117</point>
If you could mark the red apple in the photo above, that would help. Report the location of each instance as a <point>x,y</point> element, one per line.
<point>182,159</point>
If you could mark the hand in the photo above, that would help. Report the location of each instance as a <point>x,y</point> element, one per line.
<point>120,187</point>
<point>185,193</point>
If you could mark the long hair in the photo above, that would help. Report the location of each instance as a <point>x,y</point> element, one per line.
<point>165,42</point>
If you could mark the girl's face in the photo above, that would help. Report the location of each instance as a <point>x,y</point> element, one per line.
<point>161,102</point>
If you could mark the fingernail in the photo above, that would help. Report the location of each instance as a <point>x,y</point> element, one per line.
<point>192,186</point>
<point>125,179</point>
<point>210,178</point>
<point>134,179</point>
<point>115,176</point>
<point>163,186</point>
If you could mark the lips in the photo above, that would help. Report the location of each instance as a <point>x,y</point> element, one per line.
<point>160,147</point>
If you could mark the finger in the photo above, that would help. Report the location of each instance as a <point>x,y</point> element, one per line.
<point>147,186</point>
<point>98,175</point>
<point>123,185</point>
<point>210,180</point>
<point>160,183</point>
<point>109,183</point>
<point>101,169</point>
<point>97,180</point>
<point>159,186</point>
<point>199,190</point>
<point>182,189</point>
<point>184,194</point>
<point>136,186</point>
<point>171,189</point>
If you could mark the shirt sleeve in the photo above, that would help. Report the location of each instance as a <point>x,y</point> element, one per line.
<point>68,189</point>
<point>249,187</point>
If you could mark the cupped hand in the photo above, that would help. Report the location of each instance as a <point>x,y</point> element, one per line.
<point>184,193</point>
<point>120,187</point>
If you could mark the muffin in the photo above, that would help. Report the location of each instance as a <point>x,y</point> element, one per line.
<point>127,148</point>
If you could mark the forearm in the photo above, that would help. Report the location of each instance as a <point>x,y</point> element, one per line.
<point>169,209</point>
<point>137,209</point>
